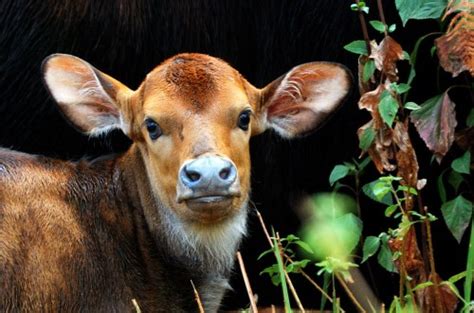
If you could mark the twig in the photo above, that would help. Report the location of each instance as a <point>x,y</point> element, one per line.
<point>136,306</point>
<point>253,305</point>
<point>198,299</point>
<point>434,276</point>
<point>382,16</point>
<point>365,32</point>
<point>293,291</point>
<point>349,293</point>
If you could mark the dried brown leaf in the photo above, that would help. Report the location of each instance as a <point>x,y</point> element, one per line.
<point>427,297</point>
<point>456,48</point>
<point>386,55</point>
<point>410,253</point>
<point>381,151</point>
<point>406,160</point>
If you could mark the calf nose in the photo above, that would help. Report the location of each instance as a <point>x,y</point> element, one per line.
<point>209,173</point>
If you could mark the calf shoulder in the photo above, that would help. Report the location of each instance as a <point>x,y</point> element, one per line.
<point>71,240</point>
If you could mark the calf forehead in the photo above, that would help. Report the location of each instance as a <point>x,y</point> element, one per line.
<point>194,80</point>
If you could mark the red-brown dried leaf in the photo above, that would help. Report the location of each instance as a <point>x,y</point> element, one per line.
<point>456,48</point>
<point>435,122</point>
<point>406,160</point>
<point>386,55</point>
<point>381,152</point>
<point>427,297</point>
<point>410,254</point>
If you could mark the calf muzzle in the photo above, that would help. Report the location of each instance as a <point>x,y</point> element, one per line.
<point>208,180</point>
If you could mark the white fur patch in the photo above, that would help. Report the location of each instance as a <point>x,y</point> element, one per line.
<point>210,248</point>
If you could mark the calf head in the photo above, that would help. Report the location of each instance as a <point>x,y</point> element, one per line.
<point>192,119</point>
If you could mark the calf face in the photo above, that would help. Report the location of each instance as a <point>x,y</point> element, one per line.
<point>192,119</point>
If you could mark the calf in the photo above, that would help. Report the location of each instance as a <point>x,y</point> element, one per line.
<point>94,235</point>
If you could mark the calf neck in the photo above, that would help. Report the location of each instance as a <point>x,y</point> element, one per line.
<point>135,229</point>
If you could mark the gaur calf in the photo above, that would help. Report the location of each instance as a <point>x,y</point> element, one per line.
<point>135,229</point>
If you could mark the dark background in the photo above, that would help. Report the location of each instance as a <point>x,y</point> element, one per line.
<point>262,39</point>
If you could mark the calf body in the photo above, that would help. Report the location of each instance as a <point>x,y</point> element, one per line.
<point>93,236</point>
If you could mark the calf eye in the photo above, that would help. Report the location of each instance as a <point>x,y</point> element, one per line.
<point>153,129</point>
<point>244,120</point>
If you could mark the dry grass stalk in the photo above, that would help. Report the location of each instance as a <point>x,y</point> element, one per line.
<point>253,305</point>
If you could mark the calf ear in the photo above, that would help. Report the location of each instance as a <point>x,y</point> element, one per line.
<point>298,102</point>
<point>87,97</point>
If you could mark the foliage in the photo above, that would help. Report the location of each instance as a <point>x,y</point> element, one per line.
<point>332,233</point>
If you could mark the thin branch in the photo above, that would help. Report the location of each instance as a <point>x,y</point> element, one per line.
<point>293,291</point>
<point>198,299</point>
<point>349,293</point>
<point>253,305</point>
<point>136,306</point>
<point>382,16</point>
<point>365,32</point>
<point>434,276</point>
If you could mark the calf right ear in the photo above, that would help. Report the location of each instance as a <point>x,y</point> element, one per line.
<point>298,102</point>
<point>86,96</point>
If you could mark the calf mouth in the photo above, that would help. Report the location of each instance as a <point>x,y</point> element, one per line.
<point>211,208</point>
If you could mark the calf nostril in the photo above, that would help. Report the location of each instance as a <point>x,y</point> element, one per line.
<point>224,173</point>
<point>193,176</point>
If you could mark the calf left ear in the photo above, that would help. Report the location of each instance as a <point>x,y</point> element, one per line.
<point>298,102</point>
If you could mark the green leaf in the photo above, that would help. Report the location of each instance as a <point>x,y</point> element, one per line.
<point>385,257</point>
<point>420,9</point>
<point>462,164</point>
<point>357,47</point>
<point>296,266</point>
<point>339,171</point>
<point>441,188</point>
<point>423,285</point>
<point>264,253</point>
<point>390,209</point>
<point>388,108</point>
<point>432,51</point>
<point>392,28</point>
<point>412,106</point>
<point>371,245</point>
<point>353,229</point>
<point>367,138</point>
<point>304,246</point>
<point>368,71</point>
<point>368,191</point>
<point>470,119</point>
<point>455,180</point>
<point>454,279</point>
<point>400,88</point>
<point>378,26</point>
<point>457,215</point>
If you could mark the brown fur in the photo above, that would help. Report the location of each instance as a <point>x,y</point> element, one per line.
<point>93,236</point>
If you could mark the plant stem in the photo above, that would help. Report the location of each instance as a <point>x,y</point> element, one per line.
<point>382,16</point>
<point>281,269</point>
<point>469,267</point>
<point>434,276</point>
<point>253,305</point>
<point>349,293</point>
<point>365,32</point>
<point>293,291</point>
<point>198,299</point>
